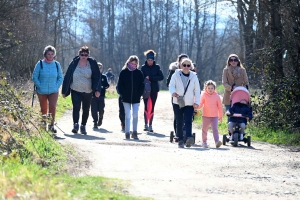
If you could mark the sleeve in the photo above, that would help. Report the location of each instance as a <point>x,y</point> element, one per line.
<point>170,73</point>
<point>246,81</point>
<point>197,92</point>
<point>202,101</point>
<point>249,114</point>
<point>96,77</point>
<point>60,77</point>
<point>36,74</point>
<point>159,76</point>
<point>225,80</point>
<point>120,84</point>
<point>106,84</point>
<point>220,107</point>
<point>142,85</point>
<point>172,85</point>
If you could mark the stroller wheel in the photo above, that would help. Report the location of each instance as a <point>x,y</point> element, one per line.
<point>224,139</point>
<point>248,141</point>
<point>171,136</point>
<point>235,139</point>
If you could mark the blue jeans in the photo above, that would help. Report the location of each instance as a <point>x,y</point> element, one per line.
<point>183,116</point>
<point>135,110</point>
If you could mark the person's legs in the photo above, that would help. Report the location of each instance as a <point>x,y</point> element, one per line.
<point>227,108</point>
<point>179,121</point>
<point>101,110</point>
<point>94,110</point>
<point>230,127</point>
<point>86,103</point>
<point>52,98</point>
<point>188,116</point>
<point>205,127</point>
<point>214,126</point>
<point>43,99</point>
<point>153,97</point>
<point>76,101</point>
<point>243,127</point>
<point>127,108</point>
<point>146,127</point>
<point>121,113</point>
<point>135,110</point>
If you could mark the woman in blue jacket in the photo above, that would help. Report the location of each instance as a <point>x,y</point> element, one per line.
<point>131,88</point>
<point>82,79</point>
<point>47,77</point>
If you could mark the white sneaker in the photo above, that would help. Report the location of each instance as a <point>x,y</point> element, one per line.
<point>231,137</point>
<point>218,144</point>
<point>204,145</point>
<point>241,137</point>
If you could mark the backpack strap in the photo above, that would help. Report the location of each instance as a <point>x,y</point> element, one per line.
<point>41,63</point>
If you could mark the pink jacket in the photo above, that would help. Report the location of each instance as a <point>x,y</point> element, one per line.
<point>211,103</point>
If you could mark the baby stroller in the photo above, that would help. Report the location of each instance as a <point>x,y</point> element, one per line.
<point>175,137</point>
<point>238,94</point>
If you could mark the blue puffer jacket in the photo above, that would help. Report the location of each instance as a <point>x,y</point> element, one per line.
<point>240,108</point>
<point>48,78</point>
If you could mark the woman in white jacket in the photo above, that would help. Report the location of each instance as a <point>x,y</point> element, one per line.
<point>184,85</point>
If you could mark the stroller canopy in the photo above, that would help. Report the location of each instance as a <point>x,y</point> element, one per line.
<point>238,94</point>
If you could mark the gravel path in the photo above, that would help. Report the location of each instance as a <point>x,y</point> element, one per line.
<point>156,168</point>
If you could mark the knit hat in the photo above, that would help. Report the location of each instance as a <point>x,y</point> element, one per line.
<point>150,55</point>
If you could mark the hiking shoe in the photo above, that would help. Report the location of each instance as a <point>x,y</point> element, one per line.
<point>150,128</point>
<point>241,136</point>
<point>189,142</point>
<point>146,128</point>
<point>204,145</point>
<point>127,136</point>
<point>52,129</point>
<point>75,128</point>
<point>134,135</point>
<point>95,125</point>
<point>82,130</point>
<point>99,122</point>
<point>218,144</point>
<point>181,144</point>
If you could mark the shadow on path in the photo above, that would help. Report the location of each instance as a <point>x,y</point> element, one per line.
<point>85,137</point>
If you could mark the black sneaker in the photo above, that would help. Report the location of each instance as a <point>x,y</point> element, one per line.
<point>127,136</point>
<point>146,128</point>
<point>181,144</point>
<point>189,142</point>
<point>95,125</point>
<point>134,135</point>
<point>75,128</point>
<point>150,128</point>
<point>82,130</point>
<point>52,129</point>
<point>99,122</point>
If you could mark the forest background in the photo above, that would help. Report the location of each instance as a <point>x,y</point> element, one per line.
<point>265,35</point>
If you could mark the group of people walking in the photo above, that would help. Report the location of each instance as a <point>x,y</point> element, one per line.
<point>87,85</point>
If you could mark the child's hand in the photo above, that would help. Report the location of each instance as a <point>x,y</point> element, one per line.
<point>220,119</point>
<point>227,112</point>
<point>247,118</point>
<point>195,106</point>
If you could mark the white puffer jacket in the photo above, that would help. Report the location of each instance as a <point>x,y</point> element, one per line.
<point>192,94</point>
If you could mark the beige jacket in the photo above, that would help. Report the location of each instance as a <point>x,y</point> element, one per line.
<point>228,79</point>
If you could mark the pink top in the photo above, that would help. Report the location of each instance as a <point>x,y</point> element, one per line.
<point>211,103</point>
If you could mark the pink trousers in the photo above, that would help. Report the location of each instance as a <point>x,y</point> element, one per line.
<point>206,122</point>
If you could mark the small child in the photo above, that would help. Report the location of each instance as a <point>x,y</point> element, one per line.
<point>98,104</point>
<point>212,112</point>
<point>243,109</point>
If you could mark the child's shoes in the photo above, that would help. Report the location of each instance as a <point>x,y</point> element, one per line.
<point>218,144</point>
<point>204,145</point>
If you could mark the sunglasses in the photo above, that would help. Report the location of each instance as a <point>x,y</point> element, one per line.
<point>233,60</point>
<point>82,54</point>
<point>186,65</point>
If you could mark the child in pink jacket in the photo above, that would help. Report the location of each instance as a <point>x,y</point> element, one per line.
<point>212,112</point>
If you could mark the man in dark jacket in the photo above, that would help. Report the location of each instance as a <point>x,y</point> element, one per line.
<point>153,73</point>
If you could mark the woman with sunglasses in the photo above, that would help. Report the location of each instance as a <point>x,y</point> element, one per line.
<point>81,80</point>
<point>131,88</point>
<point>234,74</point>
<point>184,85</point>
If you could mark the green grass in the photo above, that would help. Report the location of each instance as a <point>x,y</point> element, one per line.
<point>42,174</point>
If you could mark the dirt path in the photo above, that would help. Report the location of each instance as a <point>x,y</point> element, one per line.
<point>157,168</point>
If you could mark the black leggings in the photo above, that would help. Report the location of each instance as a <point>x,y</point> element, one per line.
<point>79,98</point>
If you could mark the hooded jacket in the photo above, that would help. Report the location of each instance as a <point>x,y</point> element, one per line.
<point>192,94</point>
<point>68,79</point>
<point>211,103</point>
<point>172,67</point>
<point>131,85</point>
<point>155,74</point>
<point>240,108</point>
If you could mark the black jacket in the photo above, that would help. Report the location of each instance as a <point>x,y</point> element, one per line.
<point>131,85</point>
<point>68,78</point>
<point>155,74</point>
<point>240,108</point>
<point>104,85</point>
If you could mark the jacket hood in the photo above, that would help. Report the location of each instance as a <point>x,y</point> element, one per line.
<point>173,66</point>
<point>206,93</point>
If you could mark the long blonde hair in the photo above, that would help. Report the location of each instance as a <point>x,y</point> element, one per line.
<point>130,59</point>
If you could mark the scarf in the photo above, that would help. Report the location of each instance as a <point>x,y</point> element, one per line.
<point>235,71</point>
<point>131,67</point>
